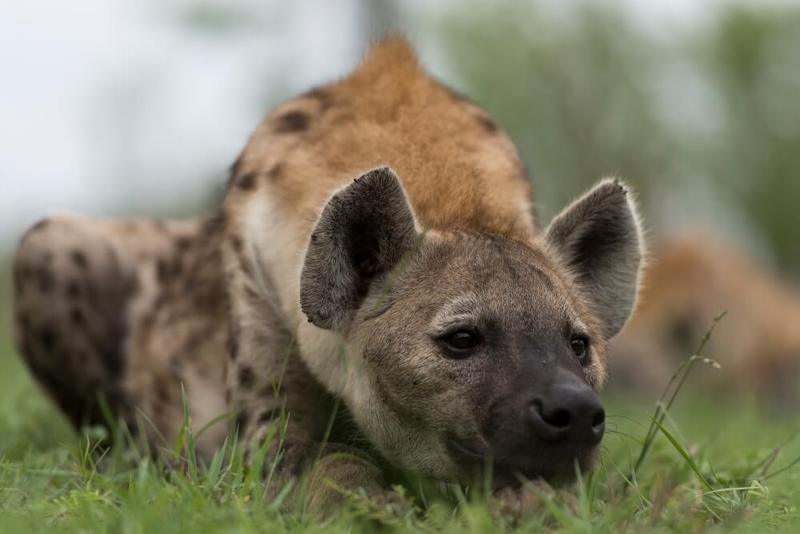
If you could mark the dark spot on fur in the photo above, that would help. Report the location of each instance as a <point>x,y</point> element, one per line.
<point>233,339</point>
<point>183,243</point>
<point>168,269</point>
<point>487,124</point>
<point>80,260</point>
<point>47,337</point>
<point>237,245</point>
<point>114,360</point>
<point>246,182</point>
<point>45,279</point>
<point>24,322</point>
<point>276,172</point>
<point>148,321</point>
<point>26,272</point>
<point>195,341</point>
<point>246,376</point>
<point>269,415</point>
<point>292,122</point>
<point>162,270</point>
<point>162,392</point>
<point>73,290</point>
<point>241,424</point>
<point>681,333</point>
<point>233,347</point>
<point>76,316</point>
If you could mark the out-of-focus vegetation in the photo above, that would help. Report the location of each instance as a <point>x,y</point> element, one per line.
<point>705,122</point>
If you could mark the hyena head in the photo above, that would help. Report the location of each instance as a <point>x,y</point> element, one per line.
<point>468,351</point>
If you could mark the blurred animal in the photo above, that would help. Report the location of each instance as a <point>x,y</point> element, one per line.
<point>419,301</point>
<point>689,281</point>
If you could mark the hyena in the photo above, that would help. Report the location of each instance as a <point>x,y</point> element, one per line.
<point>375,253</point>
<point>690,280</point>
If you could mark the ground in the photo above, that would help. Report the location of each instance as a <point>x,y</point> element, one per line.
<point>712,469</point>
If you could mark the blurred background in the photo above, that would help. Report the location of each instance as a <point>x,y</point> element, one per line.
<point>119,108</point>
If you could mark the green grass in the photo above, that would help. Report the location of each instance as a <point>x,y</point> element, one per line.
<point>708,468</point>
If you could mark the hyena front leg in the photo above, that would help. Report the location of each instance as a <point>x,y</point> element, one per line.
<point>282,408</point>
<point>275,397</point>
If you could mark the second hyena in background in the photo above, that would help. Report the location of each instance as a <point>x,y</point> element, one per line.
<point>690,279</point>
<point>375,252</point>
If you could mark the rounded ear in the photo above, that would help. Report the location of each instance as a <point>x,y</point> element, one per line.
<point>361,234</point>
<point>600,239</point>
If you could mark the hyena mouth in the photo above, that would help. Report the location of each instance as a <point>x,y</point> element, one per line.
<point>478,461</point>
<point>465,452</point>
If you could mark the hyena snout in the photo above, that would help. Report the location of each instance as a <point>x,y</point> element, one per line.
<point>569,414</point>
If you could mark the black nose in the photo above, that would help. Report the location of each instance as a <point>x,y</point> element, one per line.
<point>569,413</point>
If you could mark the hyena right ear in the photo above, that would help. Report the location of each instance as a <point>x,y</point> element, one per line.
<point>362,233</point>
<point>600,238</point>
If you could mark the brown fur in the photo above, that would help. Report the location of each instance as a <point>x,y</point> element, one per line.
<point>457,175</point>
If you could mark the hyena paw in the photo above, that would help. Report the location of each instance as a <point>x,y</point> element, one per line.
<point>346,477</point>
<point>517,503</point>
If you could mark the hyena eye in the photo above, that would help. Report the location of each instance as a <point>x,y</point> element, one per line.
<point>580,347</point>
<point>460,343</point>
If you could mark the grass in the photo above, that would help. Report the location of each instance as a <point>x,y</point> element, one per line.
<point>703,464</point>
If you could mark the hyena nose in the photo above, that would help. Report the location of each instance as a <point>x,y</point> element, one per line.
<point>569,413</point>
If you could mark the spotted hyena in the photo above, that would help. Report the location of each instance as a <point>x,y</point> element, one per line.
<point>375,257</point>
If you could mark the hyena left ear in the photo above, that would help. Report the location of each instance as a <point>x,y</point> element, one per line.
<point>363,232</point>
<point>600,238</point>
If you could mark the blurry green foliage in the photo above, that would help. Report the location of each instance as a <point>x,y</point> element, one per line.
<point>585,93</point>
<point>570,93</point>
<point>753,61</point>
